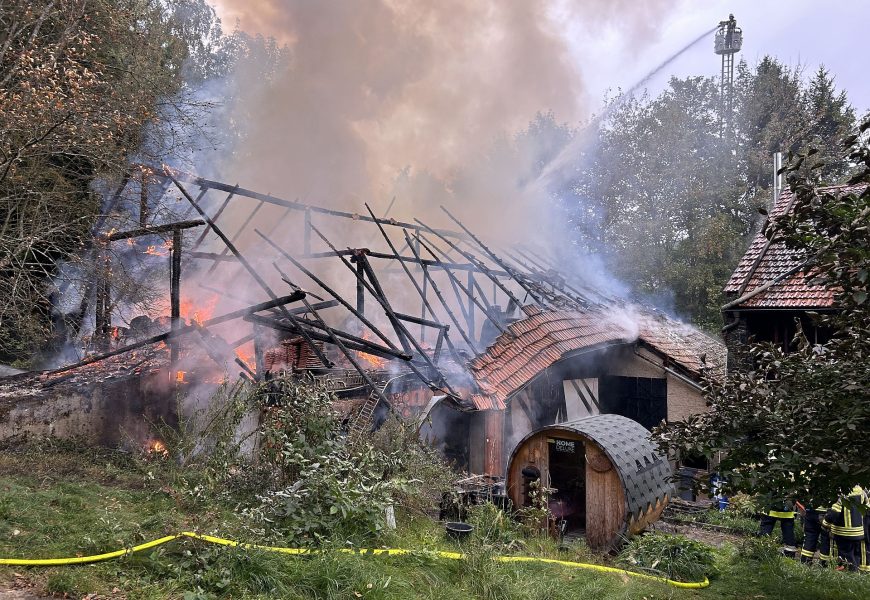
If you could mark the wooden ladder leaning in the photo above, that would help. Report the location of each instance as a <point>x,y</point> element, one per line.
<point>363,421</point>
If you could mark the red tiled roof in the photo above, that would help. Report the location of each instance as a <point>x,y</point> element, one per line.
<point>544,338</point>
<point>690,348</point>
<point>793,291</point>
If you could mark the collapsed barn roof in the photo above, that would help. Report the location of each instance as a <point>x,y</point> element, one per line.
<point>510,316</point>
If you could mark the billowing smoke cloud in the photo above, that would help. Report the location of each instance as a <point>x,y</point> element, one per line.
<point>373,87</point>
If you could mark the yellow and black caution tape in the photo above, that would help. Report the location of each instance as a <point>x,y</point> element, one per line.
<point>79,560</point>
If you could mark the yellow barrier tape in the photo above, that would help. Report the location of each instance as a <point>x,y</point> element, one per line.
<point>78,560</point>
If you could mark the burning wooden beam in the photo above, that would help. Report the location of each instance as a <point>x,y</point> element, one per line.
<point>154,229</point>
<point>231,316</point>
<point>260,281</point>
<point>175,292</point>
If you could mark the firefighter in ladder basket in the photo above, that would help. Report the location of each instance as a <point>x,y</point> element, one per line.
<point>848,529</point>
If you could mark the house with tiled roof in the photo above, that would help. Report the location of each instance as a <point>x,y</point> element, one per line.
<point>771,290</point>
<point>552,366</point>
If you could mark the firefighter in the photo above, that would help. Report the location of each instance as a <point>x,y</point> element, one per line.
<point>864,567</point>
<point>783,513</point>
<point>816,537</point>
<point>847,529</point>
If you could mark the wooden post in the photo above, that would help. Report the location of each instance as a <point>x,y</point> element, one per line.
<point>259,353</point>
<point>102,309</point>
<point>360,290</point>
<point>253,272</point>
<point>143,199</point>
<point>175,295</point>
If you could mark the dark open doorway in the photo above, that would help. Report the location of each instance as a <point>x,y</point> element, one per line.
<point>567,463</point>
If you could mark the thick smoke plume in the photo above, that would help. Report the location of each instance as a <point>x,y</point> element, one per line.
<point>375,87</point>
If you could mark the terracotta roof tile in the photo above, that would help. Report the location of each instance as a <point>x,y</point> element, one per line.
<point>543,338</point>
<point>794,291</point>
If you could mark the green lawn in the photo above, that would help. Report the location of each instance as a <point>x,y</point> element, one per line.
<point>58,500</point>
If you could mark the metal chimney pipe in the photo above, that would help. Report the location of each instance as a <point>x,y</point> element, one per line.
<point>777,177</point>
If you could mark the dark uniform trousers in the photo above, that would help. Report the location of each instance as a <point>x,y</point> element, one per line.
<point>815,536</point>
<point>786,523</point>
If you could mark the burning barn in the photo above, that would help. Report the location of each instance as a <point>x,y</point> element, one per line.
<point>479,346</point>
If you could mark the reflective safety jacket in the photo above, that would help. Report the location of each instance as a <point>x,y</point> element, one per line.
<point>781,511</point>
<point>845,516</point>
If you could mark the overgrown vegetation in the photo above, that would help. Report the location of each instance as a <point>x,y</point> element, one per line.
<point>57,495</point>
<point>671,556</point>
<point>786,427</point>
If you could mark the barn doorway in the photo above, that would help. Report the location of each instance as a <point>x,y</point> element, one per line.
<point>567,466</point>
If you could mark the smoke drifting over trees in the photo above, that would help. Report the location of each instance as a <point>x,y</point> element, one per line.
<point>454,103</point>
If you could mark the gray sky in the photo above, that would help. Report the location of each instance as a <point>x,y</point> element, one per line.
<point>805,32</point>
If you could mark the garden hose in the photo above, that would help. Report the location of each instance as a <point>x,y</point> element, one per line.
<point>78,560</point>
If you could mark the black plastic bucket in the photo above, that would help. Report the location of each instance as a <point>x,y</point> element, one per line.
<point>458,531</point>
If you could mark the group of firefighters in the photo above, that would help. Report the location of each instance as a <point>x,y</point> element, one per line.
<point>840,532</point>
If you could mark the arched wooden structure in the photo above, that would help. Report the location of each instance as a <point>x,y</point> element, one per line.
<point>610,480</point>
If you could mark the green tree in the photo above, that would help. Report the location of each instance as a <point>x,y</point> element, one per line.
<point>85,87</point>
<point>671,203</point>
<point>796,425</point>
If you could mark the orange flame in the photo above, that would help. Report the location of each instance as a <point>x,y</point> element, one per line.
<point>156,448</point>
<point>247,356</point>
<point>198,313</point>
<point>179,376</point>
<point>373,362</point>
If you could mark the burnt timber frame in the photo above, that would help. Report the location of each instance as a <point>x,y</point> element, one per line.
<point>527,276</point>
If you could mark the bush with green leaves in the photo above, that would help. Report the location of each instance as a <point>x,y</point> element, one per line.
<point>326,488</point>
<point>744,505</point>
<point>425,472</point>
<point>671,556</point>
